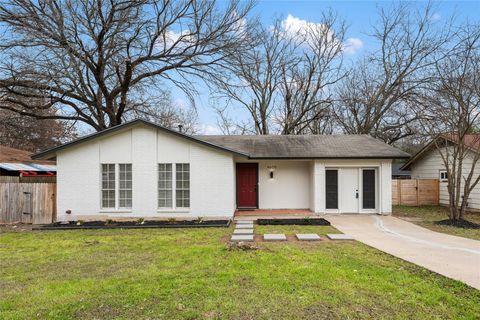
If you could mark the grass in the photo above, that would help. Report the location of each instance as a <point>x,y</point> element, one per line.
<point>189,274</point>
<point>428,216</point>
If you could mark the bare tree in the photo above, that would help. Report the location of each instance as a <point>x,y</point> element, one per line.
<point>451,112</point>
<point>27,133</point>
<point>256,75</point>
<point>161,109</point>
<point>375,98</point>
<point>284,80</point>
<point>88,57</point>
<point>307,84</point>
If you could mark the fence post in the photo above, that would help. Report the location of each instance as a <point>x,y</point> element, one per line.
<point>399,186</point>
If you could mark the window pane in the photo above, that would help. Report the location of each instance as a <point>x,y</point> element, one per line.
<point>164,185</point>
<point>108,185</point>
<point>125,185</point>
<point>182,192</point>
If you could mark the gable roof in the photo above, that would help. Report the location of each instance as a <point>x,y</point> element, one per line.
<point>271,146</point>
<point>50,153</point>
<point>472,141</point>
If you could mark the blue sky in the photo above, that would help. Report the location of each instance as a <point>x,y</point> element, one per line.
<point>359,15</point>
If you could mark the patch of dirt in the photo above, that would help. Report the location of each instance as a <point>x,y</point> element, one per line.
<point>464,224</point>
<point>16,227</point>
<point>243,246</point>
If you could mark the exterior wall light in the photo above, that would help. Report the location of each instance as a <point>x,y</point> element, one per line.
<point>271,169</point>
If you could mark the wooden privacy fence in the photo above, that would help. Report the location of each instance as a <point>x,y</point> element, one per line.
<point>27,202</point>
<point>415,192</point>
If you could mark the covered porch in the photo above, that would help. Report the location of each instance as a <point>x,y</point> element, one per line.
<point>255,214</point>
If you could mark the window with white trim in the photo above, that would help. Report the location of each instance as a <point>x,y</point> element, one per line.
<point>108,185</point>
<point>182,184</point>
<point>125,185</point>
<point>165,187</point>
<point>443,175</point>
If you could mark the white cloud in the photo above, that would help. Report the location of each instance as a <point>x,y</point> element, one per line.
<point>436,17</point>
<point>352,45</point>
<point>296,28</point>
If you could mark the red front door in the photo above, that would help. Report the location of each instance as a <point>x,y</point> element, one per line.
<point>247,179</point>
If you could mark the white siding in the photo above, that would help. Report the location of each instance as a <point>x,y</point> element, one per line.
<point>296,184</point>
<point>431,164</point>
<point>212,175</point>
<point>289,188</point>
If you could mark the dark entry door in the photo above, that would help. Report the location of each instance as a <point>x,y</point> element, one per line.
<point>331,189</point>
<point>247,180</point>
<point>368,189</point>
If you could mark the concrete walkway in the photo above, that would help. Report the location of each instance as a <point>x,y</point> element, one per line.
<point>454,257</point>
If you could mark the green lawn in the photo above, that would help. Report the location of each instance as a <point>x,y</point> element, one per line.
<point>189,274</point>
<point>427,216</point>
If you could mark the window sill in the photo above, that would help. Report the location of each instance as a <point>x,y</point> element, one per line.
<point>116,210</point>
<point>179,210</point>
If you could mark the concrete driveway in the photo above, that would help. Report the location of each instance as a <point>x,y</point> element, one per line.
<point>454,257</point>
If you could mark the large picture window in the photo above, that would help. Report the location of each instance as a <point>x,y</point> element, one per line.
<point>182,193</point>
<point>108,185</point>
<point>165,185</point>
<point>125,185</point>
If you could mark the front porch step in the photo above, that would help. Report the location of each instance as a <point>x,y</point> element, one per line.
<point>239,222</point>
<point>244,226</point>
<point>274,237</point>
<point>241,237</point>
<point>307,237</point>
<point>339,236</point>
<point>243,231</point>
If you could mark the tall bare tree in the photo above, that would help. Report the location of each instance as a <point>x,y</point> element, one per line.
<point>88,57</point>
<point>375,98</point>
<point>450,109</point>
<point>283,81</point>
<point>307,84</point>
<point>256,76</point>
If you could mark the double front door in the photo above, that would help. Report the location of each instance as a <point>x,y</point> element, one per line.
<point>351,190</point>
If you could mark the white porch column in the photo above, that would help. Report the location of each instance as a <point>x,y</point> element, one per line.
<point>318,186</point>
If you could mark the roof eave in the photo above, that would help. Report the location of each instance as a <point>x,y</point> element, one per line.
<point>326,158</point>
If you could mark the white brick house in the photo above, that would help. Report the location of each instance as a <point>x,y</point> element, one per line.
<point>140,169</point>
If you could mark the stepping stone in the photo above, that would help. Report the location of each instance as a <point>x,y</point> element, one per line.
<point>339,236</point>
<point>274,237</point>
<point>244,226</point>
<point>242,237</point>
<point>243,231</point>
<point>244,222</point>
<point>308,236</point>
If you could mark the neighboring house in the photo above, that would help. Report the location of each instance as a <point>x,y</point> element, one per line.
<point>428,164</point>
<point>140,169</point>
<point>398,173</point>
<point>19,163</point>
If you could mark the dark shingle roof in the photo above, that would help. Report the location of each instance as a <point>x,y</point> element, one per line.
<point>307,146</point>
<point>397,171</point>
